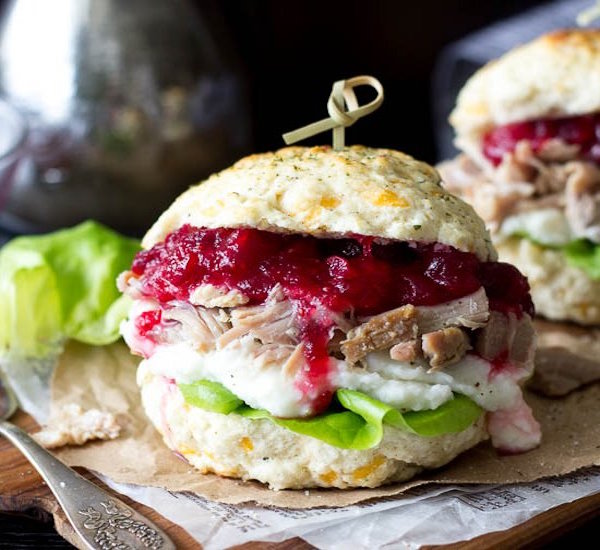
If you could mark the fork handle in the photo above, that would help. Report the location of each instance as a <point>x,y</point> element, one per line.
<point>101,520</point>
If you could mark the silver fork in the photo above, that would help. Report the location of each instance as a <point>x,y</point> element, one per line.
<point>100,519</point>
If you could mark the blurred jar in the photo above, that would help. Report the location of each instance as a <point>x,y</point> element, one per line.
<point>111,109</point>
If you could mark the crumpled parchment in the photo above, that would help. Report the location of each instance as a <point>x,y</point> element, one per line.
<point>104,378</point>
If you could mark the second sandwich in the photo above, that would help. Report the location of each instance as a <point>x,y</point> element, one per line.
<point>529,128</point>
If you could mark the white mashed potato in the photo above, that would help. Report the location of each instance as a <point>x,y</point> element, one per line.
<point>268,386</point>
<point>547,226</point>
<point>237,367</point>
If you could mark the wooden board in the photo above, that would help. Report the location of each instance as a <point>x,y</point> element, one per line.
<point>23,490</point>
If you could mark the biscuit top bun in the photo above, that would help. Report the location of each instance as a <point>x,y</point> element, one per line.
<point>556,75</point>
<point>322,192</point>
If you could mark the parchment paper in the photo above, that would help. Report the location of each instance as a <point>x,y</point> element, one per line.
<point>567,358</point>
<point>104,377</point>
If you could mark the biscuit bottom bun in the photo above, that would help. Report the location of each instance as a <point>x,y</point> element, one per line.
<point>233,446</point>
<point>318,318</point>
<point>561,292</point>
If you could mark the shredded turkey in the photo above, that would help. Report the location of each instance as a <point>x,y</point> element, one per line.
<point>209,296</point>
<point>529,180</point>
<point>583,199</point>
<point>406,351</point>
<point>295,362</point>
<point>334,346</point>
<point>493,199</point>
<point>445,346</point>
<point>556,150</point>
<point>544,168</point>
<point>201,326</point>
<point>496,201</point>
<point>271,322</point>
<point>518,166</point>
<point>460,173</point>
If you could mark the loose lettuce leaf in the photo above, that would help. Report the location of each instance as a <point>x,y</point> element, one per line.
<point>62,285</point>
<point>210,396</point>
<point>359,423</point>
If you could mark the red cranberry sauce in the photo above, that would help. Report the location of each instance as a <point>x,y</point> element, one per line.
<point>583,130</point>
<point>147,321</point>
<point>321,276</point>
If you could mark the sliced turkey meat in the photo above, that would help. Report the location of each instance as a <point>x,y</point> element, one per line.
<point>380,332</point>
<point>401,326</point>
<point>470,311</point>
<point>507,333</point>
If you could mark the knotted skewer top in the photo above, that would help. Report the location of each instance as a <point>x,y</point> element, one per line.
<point>342,97</point>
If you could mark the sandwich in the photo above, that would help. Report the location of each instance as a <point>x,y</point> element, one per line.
<point>321,318</point>
<point>528,125</point>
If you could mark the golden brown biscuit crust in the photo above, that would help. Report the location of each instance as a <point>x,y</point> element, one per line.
<point>322,192</point>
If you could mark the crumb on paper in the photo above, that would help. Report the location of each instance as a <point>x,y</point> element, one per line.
<point>71,425</point>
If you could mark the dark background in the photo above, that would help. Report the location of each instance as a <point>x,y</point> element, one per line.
<point>288,54</point>
<point>292,52</point>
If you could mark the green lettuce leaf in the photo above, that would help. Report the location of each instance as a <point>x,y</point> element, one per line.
<point>346,429</point>
<point>62,285</point>
<point>359,423</point>
<point>451,417</point>
<point>585,255</point>
<point>210,396</point>
<point>582,253</point>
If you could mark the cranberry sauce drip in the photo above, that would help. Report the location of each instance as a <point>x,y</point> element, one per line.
<point>314,334</point>
<point>581,130</point>
<point>322,276</point>
<point>147,320</point>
